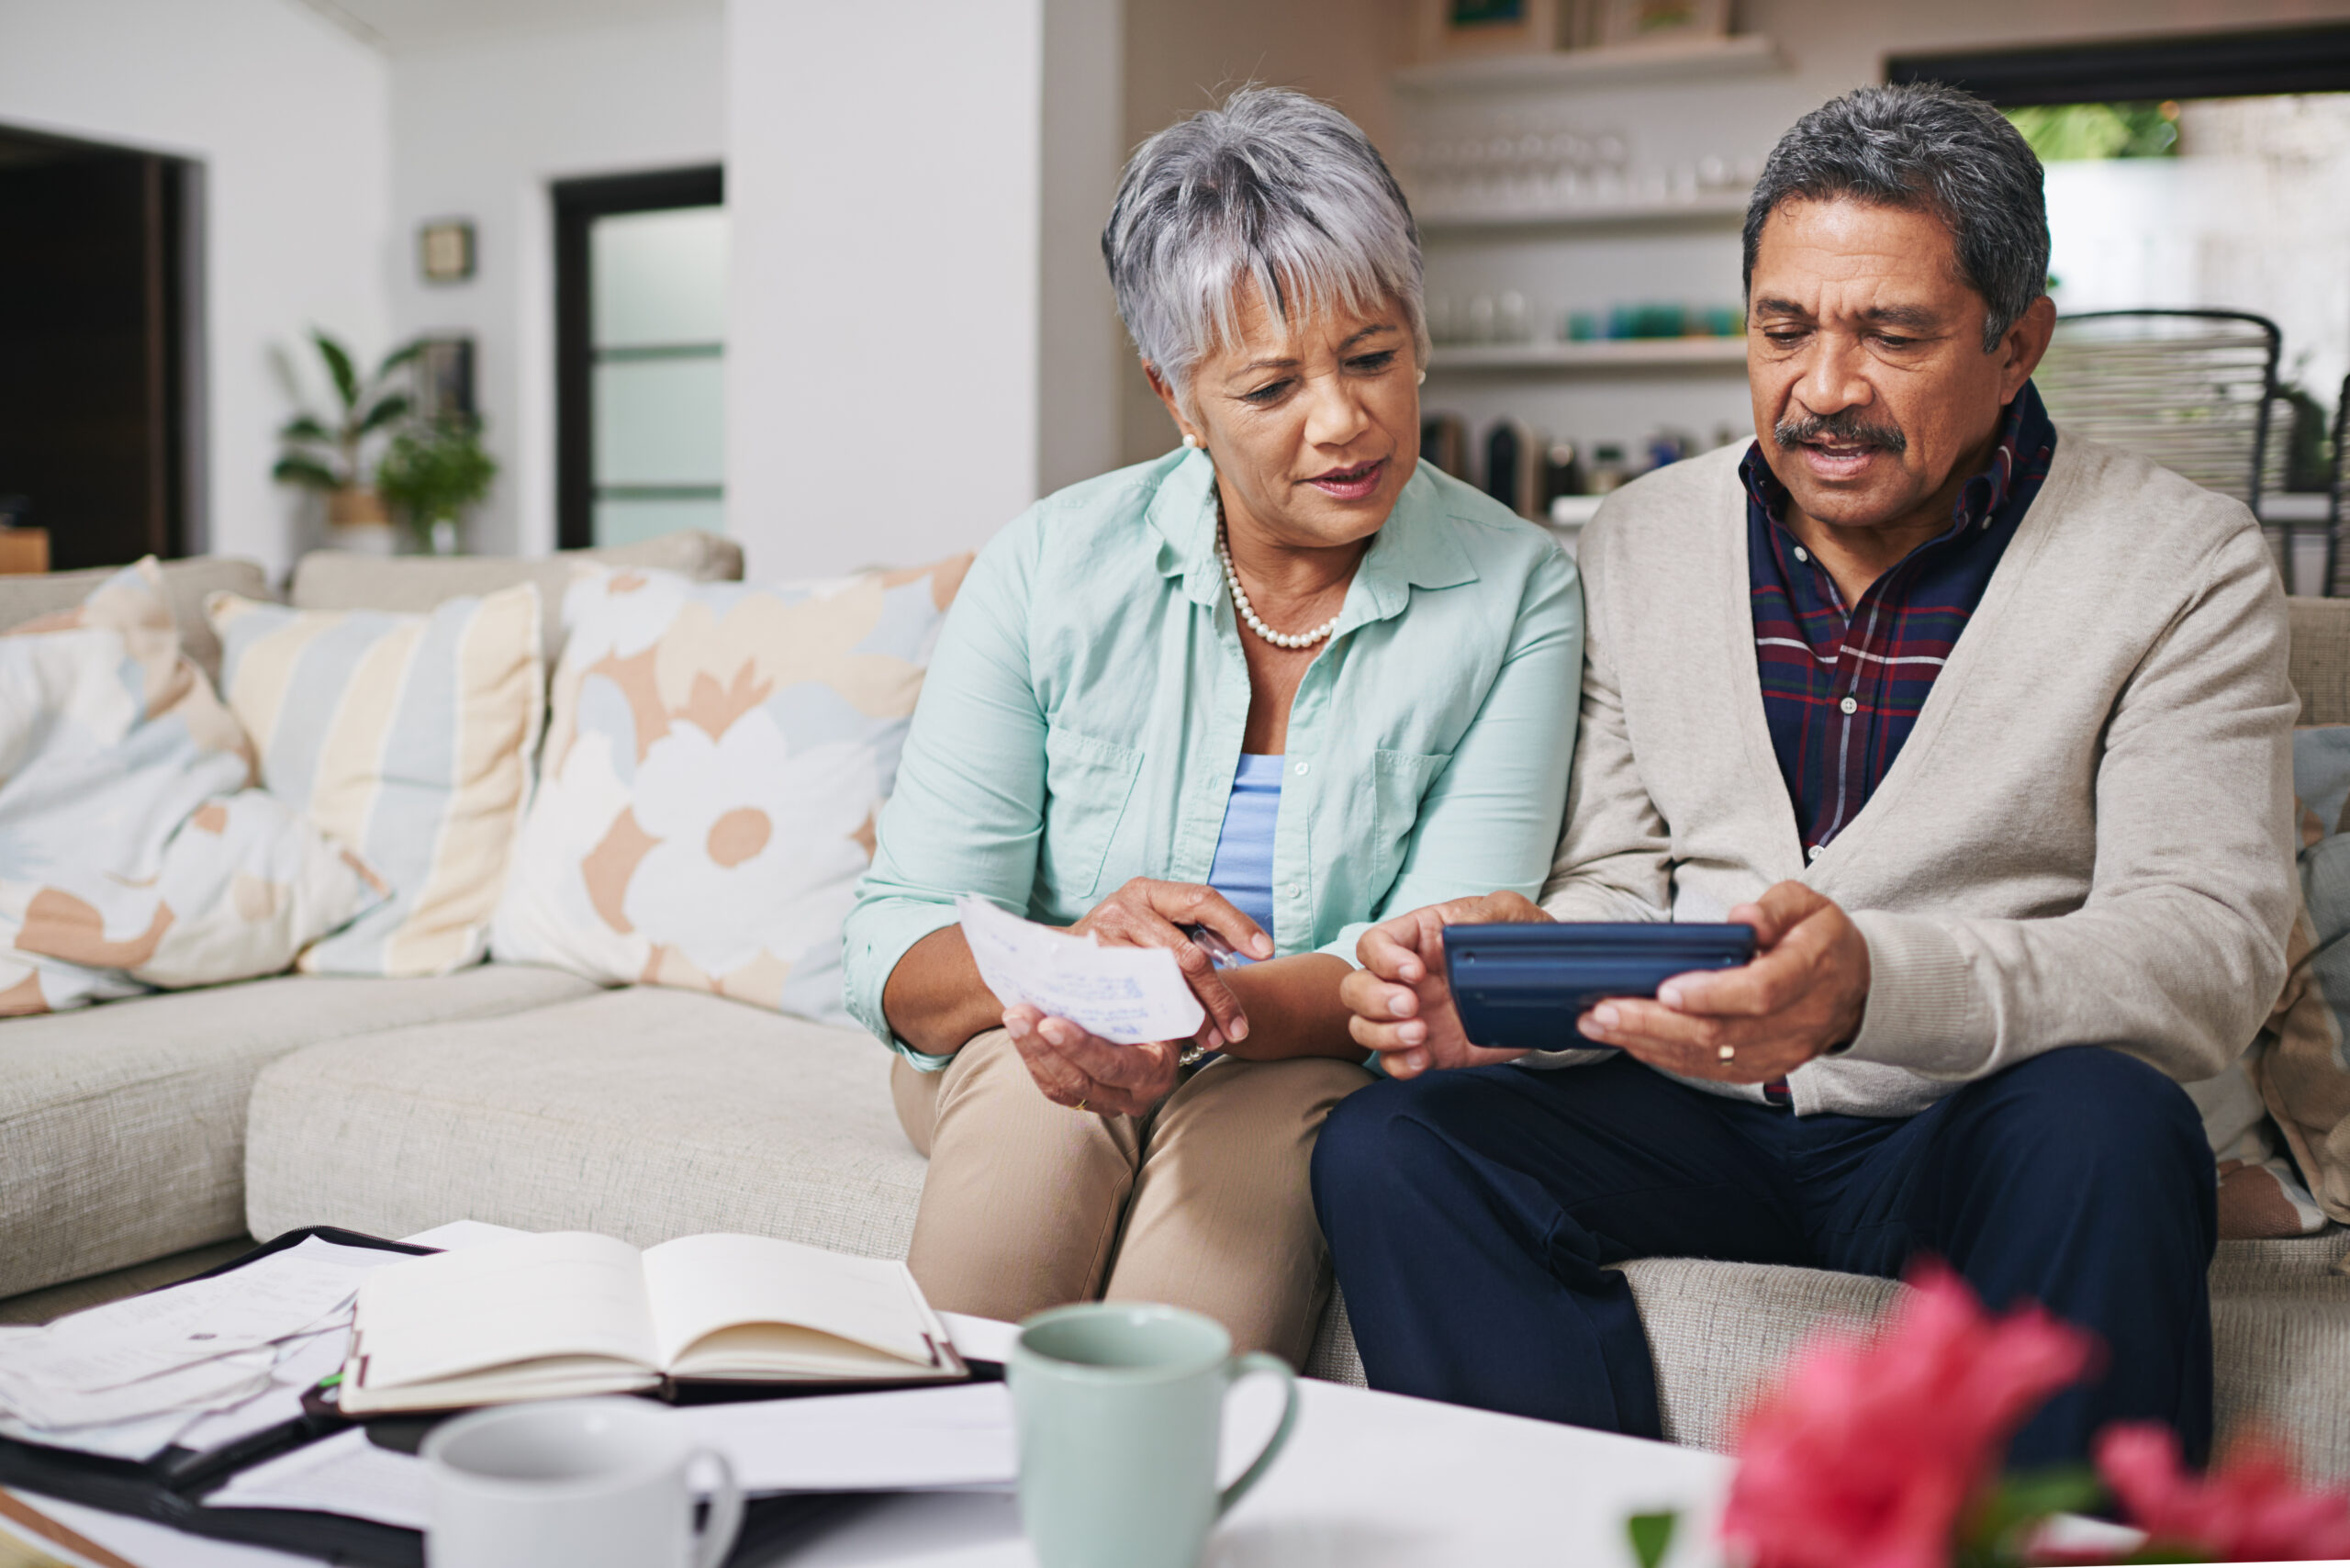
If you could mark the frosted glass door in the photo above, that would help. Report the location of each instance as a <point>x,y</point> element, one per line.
<point>658,346</point>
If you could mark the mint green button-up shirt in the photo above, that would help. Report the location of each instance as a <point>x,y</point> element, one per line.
<point>1081,722</point>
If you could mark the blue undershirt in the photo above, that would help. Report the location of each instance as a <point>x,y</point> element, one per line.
<point>1243,869</point>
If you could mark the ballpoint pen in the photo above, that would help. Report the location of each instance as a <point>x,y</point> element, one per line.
<point>1221,953</point>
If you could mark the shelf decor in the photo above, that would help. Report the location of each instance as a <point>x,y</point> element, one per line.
<point>1625,22</point>
<point>1678,59</point>
<point>1450,29</point>
<point>1602,357</point>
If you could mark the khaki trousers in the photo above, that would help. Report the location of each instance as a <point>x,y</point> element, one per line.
<point>1204,1204</point>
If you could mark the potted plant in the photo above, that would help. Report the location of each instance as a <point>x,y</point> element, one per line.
<point>432,473</point>
<point>326,453</point>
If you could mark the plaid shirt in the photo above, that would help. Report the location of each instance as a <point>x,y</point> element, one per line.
<point>1842,688</point>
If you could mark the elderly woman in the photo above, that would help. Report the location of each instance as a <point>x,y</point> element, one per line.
<point>1277,683</point>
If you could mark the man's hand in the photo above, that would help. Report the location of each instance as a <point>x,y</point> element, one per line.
<point>1086,1072</point>
<point>1149,913</point>
<point>1804,992</point>
<point>1401,1001</point>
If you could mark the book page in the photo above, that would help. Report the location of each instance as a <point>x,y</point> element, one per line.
<point>566,1293</point>
<point>697,1285</point>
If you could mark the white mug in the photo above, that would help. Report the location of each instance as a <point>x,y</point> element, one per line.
<point>574,1483</point>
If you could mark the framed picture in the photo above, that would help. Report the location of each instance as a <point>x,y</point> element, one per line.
<point>1656,21</point>
<point>1451,29</point>
<point>445,378</point>
<point>445,251</point>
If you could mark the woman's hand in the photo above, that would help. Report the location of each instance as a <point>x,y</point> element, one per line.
<point>1401,999</point>
<point>1088,1074</point>
<point>1147,914</point>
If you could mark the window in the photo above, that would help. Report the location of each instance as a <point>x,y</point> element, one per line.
<point>641,330</point>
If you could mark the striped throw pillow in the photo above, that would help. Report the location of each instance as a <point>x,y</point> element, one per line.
<point>407,737</point>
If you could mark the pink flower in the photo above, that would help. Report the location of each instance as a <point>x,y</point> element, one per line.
<point>1870,1452</point>
<point>2249,1509</point>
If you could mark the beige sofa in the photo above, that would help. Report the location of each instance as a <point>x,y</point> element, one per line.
<point>535,1099</point>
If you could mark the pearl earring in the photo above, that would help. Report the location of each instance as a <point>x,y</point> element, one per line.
<point>1421,380</point>
<point>1189,440</point>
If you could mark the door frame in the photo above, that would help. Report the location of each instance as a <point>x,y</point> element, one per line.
<point>577,204</point>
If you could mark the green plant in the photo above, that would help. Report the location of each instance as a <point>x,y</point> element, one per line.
<point>2066,132</point>
<point>2308,444</point>
<point>432,472</point>
<point>326,454</point>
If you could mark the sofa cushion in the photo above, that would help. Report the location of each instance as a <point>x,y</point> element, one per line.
<point>337,579</point>
<point>2319,661</point>
<point>716,757</point>
<point>187,583</point>
<point>645,1113</point>
<point>2280,1329</point>
<point>407,738</point>
<point>122,1127</point>
<point>132,854</point>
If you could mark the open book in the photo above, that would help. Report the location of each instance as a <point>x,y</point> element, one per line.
<point>567,1314</point>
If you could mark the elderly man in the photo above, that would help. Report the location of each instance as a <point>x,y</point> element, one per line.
<point>1983,728</point>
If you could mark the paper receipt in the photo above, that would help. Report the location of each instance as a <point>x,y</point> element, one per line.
<point>1126,994</point>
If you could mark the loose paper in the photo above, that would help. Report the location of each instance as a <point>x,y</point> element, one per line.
<point>198,1364</point>
<point>1126,994</point>
<point>344,1474</point>
<point>917,1440</point>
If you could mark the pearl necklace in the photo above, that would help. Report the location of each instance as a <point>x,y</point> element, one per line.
<point>1248,612</point>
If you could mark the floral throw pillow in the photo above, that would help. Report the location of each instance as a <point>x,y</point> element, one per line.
<point>132,854</point>
<point>715,756</point>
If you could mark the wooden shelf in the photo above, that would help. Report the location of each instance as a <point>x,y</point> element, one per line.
<point>1715,208</point>
<point>1703,60</point>
<point>1599,357</point>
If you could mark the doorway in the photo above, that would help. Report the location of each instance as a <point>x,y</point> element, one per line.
<point>639,356</point>
<point>99,338</point>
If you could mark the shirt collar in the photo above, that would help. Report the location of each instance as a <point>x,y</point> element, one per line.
<point>1415,548</point>
<point>2024,432</point>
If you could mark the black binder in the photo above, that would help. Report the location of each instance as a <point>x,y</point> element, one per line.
<point>169,1489</point>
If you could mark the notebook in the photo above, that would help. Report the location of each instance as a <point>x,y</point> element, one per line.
<point>570,1313</point>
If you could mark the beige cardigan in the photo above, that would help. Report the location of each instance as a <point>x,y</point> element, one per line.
<point>2086,839</point>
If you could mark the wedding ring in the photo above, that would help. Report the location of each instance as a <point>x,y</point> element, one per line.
<point>1729,1053</point>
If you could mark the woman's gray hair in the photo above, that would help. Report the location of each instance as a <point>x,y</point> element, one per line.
<point>1930,149</point>
<point>1271,187</point>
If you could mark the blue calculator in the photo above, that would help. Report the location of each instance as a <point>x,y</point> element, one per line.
<point>1522,987</point>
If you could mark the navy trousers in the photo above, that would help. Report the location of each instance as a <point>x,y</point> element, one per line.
<point>1472,1214</point>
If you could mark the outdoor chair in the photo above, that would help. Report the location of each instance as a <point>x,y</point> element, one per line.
<point>2188,389</point>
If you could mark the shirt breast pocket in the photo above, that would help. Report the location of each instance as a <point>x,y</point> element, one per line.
<point>1400,781</point>
<point>1087,784</point>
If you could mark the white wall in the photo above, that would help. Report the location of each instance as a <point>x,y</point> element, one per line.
<point>888,186</point>
<point>290,117</point>
<point>1082,347</point>
<point>1182,55</point>
<point>479,130</point>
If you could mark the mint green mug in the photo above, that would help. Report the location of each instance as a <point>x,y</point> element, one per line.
<point>1118,1407</point>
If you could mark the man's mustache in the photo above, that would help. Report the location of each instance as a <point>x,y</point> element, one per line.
<point>1846,428</point>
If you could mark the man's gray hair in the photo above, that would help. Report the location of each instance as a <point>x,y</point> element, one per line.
<point>1271,187</point>
<point>1931,149</point>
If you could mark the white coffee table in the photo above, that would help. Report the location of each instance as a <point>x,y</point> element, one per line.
<point>1369,1481</point>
